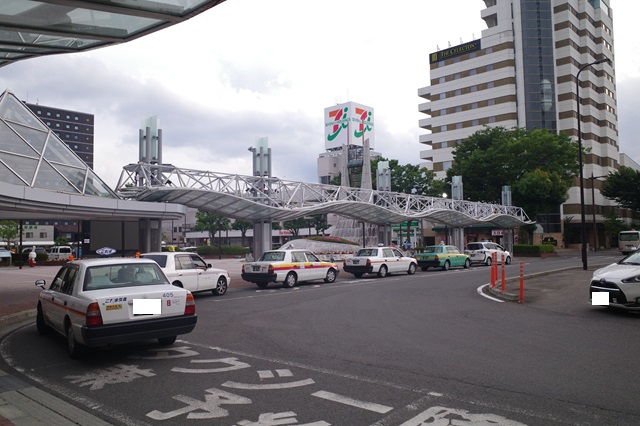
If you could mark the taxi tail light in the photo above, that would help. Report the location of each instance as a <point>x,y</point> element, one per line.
<point>437,259</point>
<point>190,306</point>
<point>243,268</point>
<point>94,317</point>
<point>368,262</point>
<point>271,270</point>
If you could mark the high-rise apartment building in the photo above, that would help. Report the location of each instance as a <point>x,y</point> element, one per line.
<point>74,128</point>
<point>523,72</point>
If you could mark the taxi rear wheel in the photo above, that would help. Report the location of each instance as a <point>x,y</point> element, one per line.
<point>382,272</point>
<point>221,286</point>
<point>166,341</point>
<point>487,261</point>
<point>424,268</point>
<point>290,280</point>
<point>467,263</point>
<point>331,276</point>
<point>262,285</point>
<point>446,265</point>
<point>75,349</point>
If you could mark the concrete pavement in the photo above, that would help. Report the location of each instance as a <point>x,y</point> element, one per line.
<point>23,403</point>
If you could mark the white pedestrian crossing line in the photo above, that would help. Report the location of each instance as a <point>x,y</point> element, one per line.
<point>371,406</point>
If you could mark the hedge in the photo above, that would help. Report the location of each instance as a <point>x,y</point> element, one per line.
<point>536,249</point>
<point>226,250</point>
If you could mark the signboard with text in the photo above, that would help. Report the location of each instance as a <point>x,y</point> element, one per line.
<point>348,124</point>
<point>450,52</point>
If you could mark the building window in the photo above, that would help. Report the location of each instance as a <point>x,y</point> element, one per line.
<point>29,235</point>
<point>491,102</point>
<point>490,85</point>
<point>48,114</point>
<point>489,50</point>
<point>492,119</point>
<point>456,76</point>
<point>458,92</point>
<point>490,67</point>
<point>472,71</point>
<point>458,108</point>
<point>443,112</point>
<point>443,128</point>
<point>458,125</point>
<point>442,80</point>
<point>473,88</point>
<point>475,122</point>
<point>43,235</point>
<point>446,165</point>
<point>474,105</point>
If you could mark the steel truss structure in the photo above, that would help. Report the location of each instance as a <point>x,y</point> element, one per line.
<point>263,199</point>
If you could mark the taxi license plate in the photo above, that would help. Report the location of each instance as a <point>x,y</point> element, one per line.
<point>355,262</point>
<point>255,268</point>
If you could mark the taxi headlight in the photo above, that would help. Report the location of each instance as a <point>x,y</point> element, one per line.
<point>632,280</point>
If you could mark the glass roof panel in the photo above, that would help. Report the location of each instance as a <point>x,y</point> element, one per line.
<point>35,138</point>
<point>171,7</point>
<point>64,26</point>
<point>96,187</point>
<point>7,175</point>
<point>14,110</point>
<point>22,166</point>
<point>13,143</point>
<point>74,175</point>
<point>49,178</point>
<point>58,152</point>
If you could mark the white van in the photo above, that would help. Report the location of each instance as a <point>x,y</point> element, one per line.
<point>628,241</point>
<point>60,252</point>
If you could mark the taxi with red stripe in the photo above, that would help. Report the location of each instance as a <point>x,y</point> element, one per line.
<point>288,267</point>
<point>93,303</point>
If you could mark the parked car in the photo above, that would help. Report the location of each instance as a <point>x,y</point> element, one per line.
<point>442,256</point>
<point>379,260</point>
<point>621,280</point>
<point>482,252</point>
<point>289,267</point>
<point>59,252</point>
<point>92,303</point>
<point>190,271</point>
<point>38,250</point>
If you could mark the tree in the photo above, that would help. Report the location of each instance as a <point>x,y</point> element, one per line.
<point>62,241</point>
<point>8,231</point>
<point>295,225</point>
<point>319,222</point>
<point>211,223</point>
<point>538,165</point>
<point>243,226</point>
<point>623,186</point>
<point>407,179</point>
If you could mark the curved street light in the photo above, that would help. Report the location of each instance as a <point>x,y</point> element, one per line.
<point>582,215</point>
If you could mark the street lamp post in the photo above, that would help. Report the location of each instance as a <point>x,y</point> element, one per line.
<point>583,225</point>
<point>593,210</point>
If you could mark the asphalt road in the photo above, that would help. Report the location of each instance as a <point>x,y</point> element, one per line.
<point>403,350</point>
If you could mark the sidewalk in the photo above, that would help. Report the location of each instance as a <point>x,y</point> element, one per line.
<point>22,403</point>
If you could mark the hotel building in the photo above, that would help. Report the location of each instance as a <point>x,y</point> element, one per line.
<point>523,72</point>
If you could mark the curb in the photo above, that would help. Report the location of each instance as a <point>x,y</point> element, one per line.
<point>7,321</point>
<point>511,297</point>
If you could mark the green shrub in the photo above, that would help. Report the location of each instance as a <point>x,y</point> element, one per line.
<point>532,249</point>
<point>226,250</point>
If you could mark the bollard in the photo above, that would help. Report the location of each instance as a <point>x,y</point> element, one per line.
<point>521,298</point>
<point>494,275</point>
<point>503,279</point>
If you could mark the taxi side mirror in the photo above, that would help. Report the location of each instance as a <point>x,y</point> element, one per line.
<point>41,283</point>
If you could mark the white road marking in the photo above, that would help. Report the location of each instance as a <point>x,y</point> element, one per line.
<point>371,406</point>
<point>487,296</point>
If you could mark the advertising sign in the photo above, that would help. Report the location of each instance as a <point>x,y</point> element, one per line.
<point>458,50</point>
<point>348,124</point>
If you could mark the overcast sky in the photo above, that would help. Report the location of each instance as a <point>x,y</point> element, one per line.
<point>253,68</point>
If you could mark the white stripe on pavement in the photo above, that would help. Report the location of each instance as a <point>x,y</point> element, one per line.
<point>371,406</point>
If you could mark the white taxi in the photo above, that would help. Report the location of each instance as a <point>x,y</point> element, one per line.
<point>289,267</point>
<point>380,261</point>
<point>190,271</point>
<point>91,304</point>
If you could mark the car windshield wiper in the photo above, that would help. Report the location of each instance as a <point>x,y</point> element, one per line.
<point>629,263</point>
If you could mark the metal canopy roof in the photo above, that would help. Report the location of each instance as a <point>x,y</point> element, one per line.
<point>257,198</point>
<point>30,28</point>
